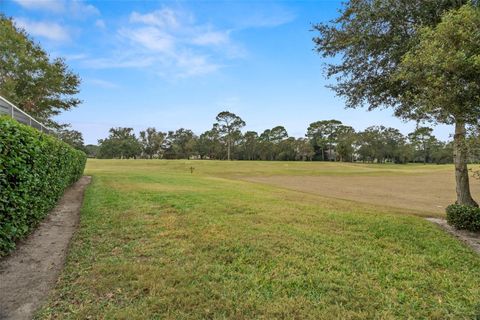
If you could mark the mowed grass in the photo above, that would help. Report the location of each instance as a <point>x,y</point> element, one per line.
<point>157,242</point>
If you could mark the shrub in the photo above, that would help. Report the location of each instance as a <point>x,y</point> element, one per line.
<point>35,169</point>
<point>464,217</point>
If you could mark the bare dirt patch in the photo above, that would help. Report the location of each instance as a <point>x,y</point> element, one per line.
<point>27,275</point>
<point>423,194</point>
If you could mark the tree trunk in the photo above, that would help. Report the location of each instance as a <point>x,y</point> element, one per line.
<point>461,172</point>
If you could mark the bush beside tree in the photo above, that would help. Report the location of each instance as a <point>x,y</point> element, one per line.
<point>464,217</point>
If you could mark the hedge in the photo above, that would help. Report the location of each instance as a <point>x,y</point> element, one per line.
<point>35,169</point>
<point>464,217</point>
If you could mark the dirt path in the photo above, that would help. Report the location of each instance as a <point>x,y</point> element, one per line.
<point>27,275</point>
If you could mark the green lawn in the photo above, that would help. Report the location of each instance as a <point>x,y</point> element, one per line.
<point>157,242</point>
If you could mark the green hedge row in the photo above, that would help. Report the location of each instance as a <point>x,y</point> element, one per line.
<point>35,169</point>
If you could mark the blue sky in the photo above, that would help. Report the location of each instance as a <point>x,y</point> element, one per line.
<point>175,64</point>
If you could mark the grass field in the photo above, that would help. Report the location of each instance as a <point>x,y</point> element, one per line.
<point>157,242</point>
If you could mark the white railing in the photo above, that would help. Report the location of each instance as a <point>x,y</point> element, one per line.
<point>8,108</point>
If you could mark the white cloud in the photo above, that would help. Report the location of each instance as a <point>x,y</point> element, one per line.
<point>48,30</point>
<point>194,65</point>
<point>124,60</point>
<point>150,38</point>
<point>102,83</point>
<point>47,5</point>
<point>173,44</point>
<point>81,9</point>
<point>163,18</point>
<point>99,23</point>
<point>259,21</point>
<point>76,8</point>
<point>212,38</point>
<point>276,16</point>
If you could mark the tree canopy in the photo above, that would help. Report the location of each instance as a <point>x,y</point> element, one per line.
<point>40,86</point>
<point>372,37</point>
<point>121,143</point>
<point>440,75</point>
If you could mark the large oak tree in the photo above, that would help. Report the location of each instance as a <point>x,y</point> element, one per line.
<point>371,38</point>
<point>441,81</point>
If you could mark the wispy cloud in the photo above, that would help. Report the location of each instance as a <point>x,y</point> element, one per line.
<point>49,30</point>
<point>163,18</point>
<point>212,38</point>
<point>171,43</point>
<point>76,8</point>
<point>46,5</point>
<point>275,18</point>
<point>150,38</point>
<point>82,9</point>
<point>101,83</point>
<point>100,23</point>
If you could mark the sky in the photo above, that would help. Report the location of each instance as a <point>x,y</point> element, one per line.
<point>173,64</point>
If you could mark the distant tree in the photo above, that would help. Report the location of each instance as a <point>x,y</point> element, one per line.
<point>322,135</point>
<point>152,142</point>
<point>180,144</point>
<point>121,143</point>
<point>278,143</point>
<point>250,145</point>
<point>277,134</point>
<point>345,137</point>
<point>236,139</point>
<point>423,141</point>
<point>305,150</point>
<point>287,150</point>
<point>405,153</point>
<point>91,150</point>
<point>393,144</point>
<point>209,145</point>
<point>442,152</point>
<point>316,136</point>
<point>72,137</point>
<point>381,144</point>
<point>473,143</point>
<point>368,145</point>
<point>29,78</point>
<point>228,125</point>
<point>401,54</point>
<point>266,146</point>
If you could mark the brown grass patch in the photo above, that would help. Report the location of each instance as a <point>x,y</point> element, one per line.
<point>424,194</point>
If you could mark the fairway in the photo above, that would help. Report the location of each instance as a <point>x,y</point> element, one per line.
<point>423,193</point>
<point>159,242</point>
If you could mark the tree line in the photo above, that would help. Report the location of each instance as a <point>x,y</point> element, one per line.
<point>326,140</point>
